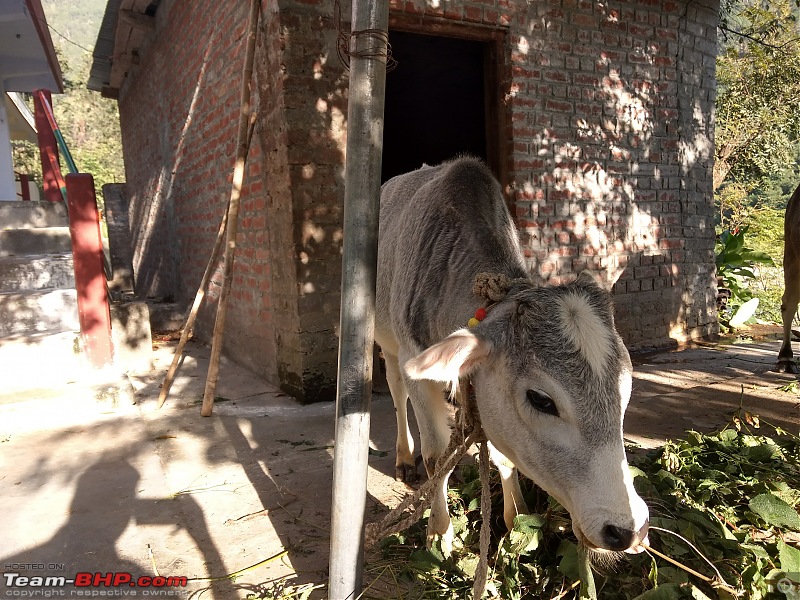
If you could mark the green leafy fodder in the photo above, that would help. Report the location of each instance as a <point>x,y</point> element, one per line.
<point>733,495</point>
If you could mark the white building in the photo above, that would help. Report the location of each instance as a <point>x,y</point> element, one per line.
<point>28,62</point>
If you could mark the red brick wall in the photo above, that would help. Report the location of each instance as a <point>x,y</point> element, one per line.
<point>274,136</point>
<point>179,115</point>
<point>612,155</point>
<point>609,113</point>
<point>610,120</point>
<point>315,103</point>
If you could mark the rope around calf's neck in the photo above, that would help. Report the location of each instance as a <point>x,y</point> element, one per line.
<point>492,287</point>
<point>482,571</point>
<point>468,432</point>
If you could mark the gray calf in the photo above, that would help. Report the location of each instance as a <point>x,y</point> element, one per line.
<point>551,375</point>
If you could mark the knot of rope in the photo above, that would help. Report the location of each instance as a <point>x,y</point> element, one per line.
<point>493,287</point>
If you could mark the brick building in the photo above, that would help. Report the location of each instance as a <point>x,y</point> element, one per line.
<point>596,117</point>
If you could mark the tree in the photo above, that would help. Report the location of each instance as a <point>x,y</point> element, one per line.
<point>758,83</point>
<point>90,124</point>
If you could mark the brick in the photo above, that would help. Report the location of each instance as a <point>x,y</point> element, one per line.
<point>556,106</point>
<point>473,13</point>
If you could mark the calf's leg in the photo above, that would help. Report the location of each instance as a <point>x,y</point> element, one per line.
<point>430,410</point>
<point>513,502</point>
<point>404,467</point>
<point>789,302</point>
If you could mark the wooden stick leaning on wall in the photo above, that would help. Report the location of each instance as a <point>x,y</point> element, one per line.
<point>233,213</point>
<point>201,291</point>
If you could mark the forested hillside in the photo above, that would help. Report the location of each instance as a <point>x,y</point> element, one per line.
<point>90,123</point>
<point>77,21</point>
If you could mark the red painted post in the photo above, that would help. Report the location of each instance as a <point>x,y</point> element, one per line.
<point>90,280</point>
<point>52,180</point>
<point>25,190</point>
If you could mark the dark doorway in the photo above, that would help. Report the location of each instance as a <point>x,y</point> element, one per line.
<point>435,102</point>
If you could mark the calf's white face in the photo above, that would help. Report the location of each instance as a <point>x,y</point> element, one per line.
<point>552,380</point>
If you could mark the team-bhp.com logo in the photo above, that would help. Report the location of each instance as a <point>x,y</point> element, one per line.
<point>90,583</point>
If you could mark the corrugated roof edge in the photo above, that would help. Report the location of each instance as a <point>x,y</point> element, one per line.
<point>103,55</point>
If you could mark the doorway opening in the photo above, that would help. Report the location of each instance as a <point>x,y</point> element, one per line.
<point>440,102</point>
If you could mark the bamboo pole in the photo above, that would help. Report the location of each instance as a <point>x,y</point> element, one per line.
<point>357,318</point>
<point>233,213</point>
<point>190,318</point>
<point>199,296</point>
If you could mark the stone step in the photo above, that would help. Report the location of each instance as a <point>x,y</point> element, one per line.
<point>26,273</point>
<point>166,316</point>
<point>39,359</point>
<point>47,366</point>
<point>38,311</point>
<point>29,215</point>
<point>26,242</point>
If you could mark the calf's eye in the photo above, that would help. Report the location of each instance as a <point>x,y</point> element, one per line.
<point>542,402</point>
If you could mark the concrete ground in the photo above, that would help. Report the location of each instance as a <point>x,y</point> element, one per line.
<point>87,487</point>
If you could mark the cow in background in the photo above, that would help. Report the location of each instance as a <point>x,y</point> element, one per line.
<point>791,280</point>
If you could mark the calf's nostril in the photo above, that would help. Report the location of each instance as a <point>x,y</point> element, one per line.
<point>617,538</point>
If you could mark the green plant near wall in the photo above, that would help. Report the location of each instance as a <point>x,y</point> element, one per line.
<point>736,264</point>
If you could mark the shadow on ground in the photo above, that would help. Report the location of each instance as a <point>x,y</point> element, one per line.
<point>86,487</point>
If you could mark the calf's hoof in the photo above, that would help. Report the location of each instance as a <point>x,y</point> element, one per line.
<point>445,539</point>
<point>406,472</point>
<point>787,365</point>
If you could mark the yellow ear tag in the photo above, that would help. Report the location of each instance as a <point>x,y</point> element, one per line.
<point>472,322</point>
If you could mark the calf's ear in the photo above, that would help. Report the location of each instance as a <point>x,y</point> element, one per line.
<point>454,357</point>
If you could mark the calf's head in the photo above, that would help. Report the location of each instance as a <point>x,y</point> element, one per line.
<point>552,379</point>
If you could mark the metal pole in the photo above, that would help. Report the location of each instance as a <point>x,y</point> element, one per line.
<point>55,189</point>
<point>51,120</point>
<point>357,317</point>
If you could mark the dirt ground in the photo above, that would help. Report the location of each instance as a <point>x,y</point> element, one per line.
<point>87,487</point>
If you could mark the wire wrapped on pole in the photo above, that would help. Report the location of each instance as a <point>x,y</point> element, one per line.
<point>345,49</point>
